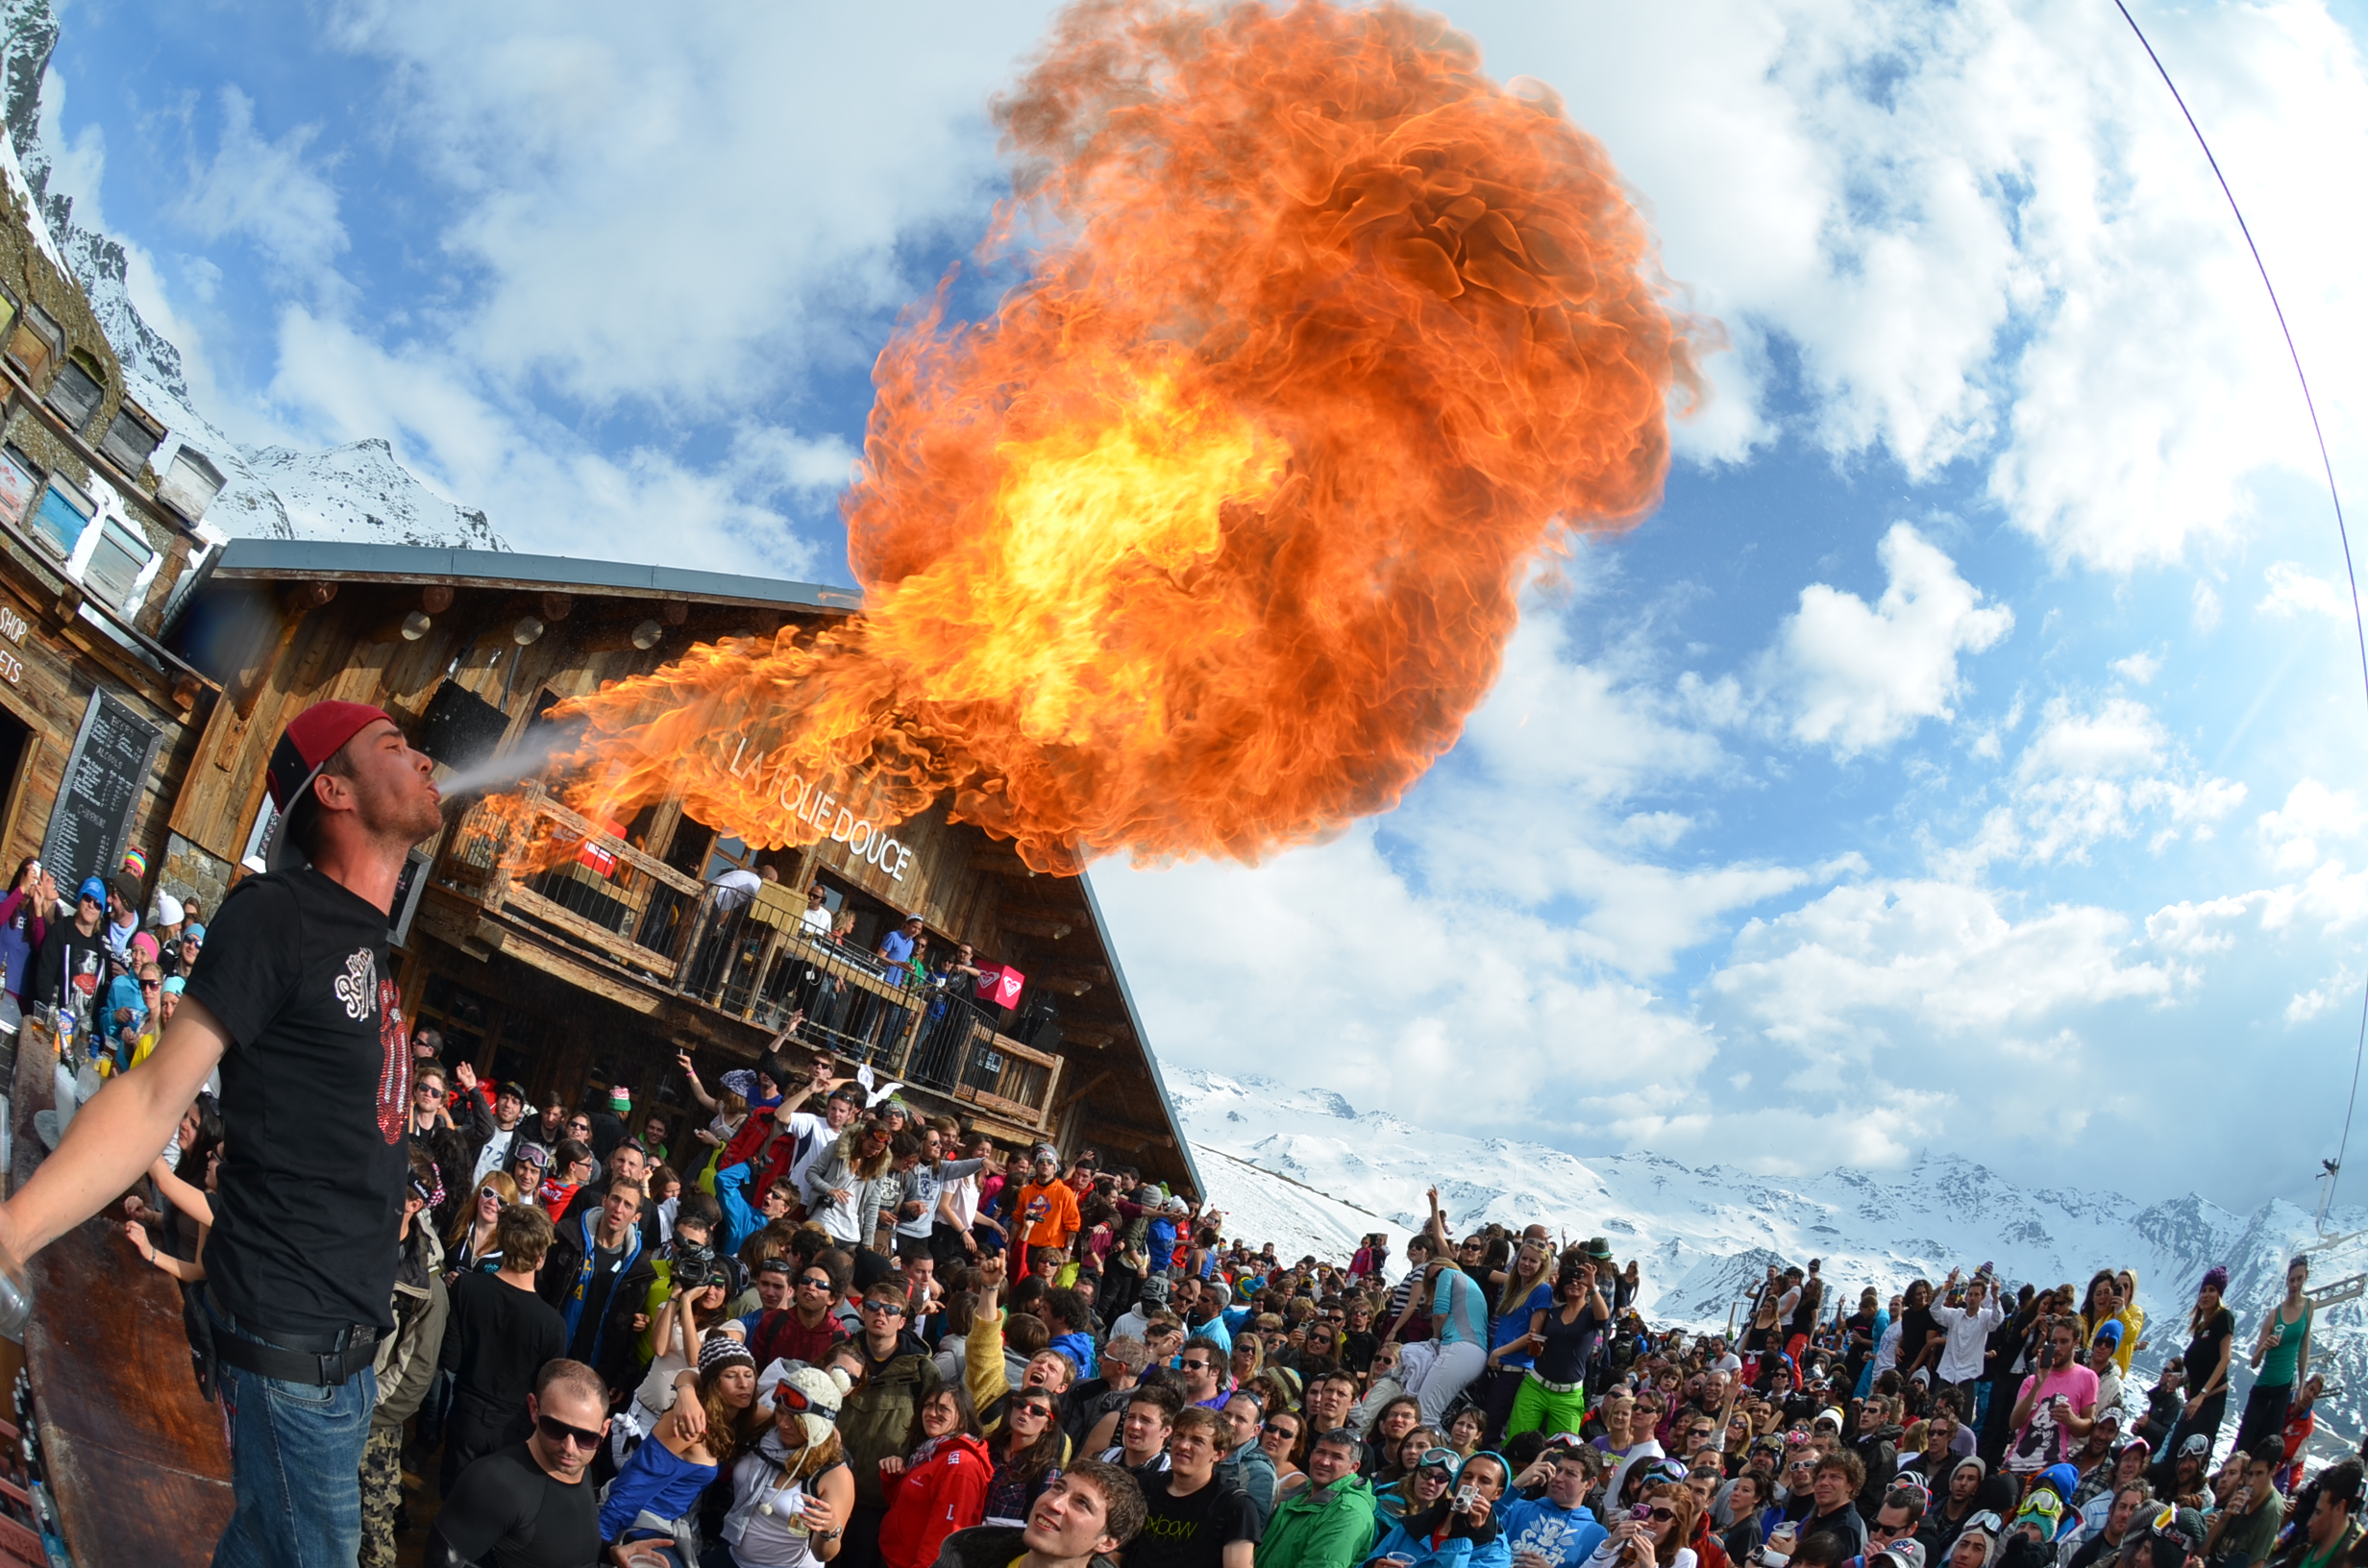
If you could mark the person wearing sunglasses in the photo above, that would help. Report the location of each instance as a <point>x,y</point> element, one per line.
<point>531,1501</point>
<point>898,1378</point>
<point>1425,1482</point>
<point>797,1321</point>
<point>469,1245</point>
<point>1025,1452</point>
<point>1655,1535</point>
<point>1461,1530</point>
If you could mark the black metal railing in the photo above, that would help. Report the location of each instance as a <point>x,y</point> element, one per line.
<point>750,955</point>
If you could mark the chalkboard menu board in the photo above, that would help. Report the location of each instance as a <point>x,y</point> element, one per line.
<point>114,751</point>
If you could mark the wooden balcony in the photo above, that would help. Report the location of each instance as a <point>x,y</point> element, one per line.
<point>748,958</point>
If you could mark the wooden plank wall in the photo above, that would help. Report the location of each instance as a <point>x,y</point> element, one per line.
<point>53,689</point>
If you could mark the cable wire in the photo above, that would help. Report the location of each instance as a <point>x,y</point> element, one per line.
<point>2359,622</point>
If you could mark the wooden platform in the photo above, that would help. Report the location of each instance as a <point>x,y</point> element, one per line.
<point>139,1465</point>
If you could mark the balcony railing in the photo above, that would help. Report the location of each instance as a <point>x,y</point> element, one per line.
<point>747,956</point>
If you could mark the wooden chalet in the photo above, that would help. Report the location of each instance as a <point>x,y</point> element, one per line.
<point>597,972</point>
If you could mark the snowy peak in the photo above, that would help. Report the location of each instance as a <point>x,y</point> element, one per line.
<point>358,492</point>
<point>1292,1165</point>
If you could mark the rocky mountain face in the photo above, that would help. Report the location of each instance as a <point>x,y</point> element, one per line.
<point>1305,1163</point>
<point>357,491</point>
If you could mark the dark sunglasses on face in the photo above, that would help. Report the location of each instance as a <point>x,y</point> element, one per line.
<point>816,1282</point>
<point>1194,1366</point>
<point>556,1430</point>
<point>484,1193</point>
<point>888,1306</point>
<point>1660,1513</point>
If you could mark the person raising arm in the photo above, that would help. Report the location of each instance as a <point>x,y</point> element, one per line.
<point>294,998</point>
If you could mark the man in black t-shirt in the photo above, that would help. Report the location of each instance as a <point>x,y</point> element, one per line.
<point>294,999</point>
<point>533,1506</point>
<point>71,965</point>
<point>1190,1519</point>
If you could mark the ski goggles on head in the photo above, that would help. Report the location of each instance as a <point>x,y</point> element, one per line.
<point>789,1396</point>
<point>1987,1522</point>
<point>1441,1458</point>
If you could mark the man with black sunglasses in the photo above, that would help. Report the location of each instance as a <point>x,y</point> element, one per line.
<point>800,1327</point>
<point>879,1416</point>
<point>530,1507</point>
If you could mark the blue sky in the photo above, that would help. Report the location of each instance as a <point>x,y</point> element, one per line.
<point>1964,760</point>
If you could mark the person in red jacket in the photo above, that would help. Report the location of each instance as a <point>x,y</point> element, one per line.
<point>939,1488</point>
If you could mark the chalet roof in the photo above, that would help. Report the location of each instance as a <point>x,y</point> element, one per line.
<point>339,561</point>
<point>1134,1019</point>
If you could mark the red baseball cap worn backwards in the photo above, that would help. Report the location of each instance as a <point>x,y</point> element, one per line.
<point>312,738</point>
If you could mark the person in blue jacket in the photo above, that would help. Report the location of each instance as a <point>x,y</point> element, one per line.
<point>1460,1530</point>
<point>1556,1530</point>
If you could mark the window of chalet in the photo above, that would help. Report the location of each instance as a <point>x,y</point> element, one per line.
<point>34,343</point>
<point>118,564</point>
<point>64,513</point>
<point>21,485</point>
<point>79,388</point>
<point>132,438</point>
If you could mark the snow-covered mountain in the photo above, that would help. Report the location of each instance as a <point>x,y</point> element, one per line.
<point>1304,1169</point>
<point>356,492</point>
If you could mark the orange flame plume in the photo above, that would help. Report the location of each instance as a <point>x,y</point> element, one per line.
<point>1209,541</point>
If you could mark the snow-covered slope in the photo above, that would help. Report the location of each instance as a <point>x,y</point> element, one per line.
<point>356,492</point>
<point>1295,1164</point>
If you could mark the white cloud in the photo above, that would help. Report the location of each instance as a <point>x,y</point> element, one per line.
<point>1981,232</point>
<point>2312,814</point>
<point>696,212</point>
<point>267,193</point>
<point>2295,591</point>
<point>2139,668</point>
<point>1857,677</point>
<point>543,485</point>
<point>2092,773</point>
<point>1865,970</point>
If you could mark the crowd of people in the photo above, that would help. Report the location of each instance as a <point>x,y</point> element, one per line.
<point>816,1329</point>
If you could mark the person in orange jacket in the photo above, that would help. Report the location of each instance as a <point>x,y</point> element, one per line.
<point>1046,1212</point>
<point>938,1489</point>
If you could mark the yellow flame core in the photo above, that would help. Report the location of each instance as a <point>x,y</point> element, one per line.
<point>1089,527</point>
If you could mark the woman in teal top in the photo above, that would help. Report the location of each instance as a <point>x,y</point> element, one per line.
<point>2281,1360</point>
<point>1459,1323</point>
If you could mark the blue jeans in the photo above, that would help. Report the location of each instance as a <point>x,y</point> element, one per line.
<point>295,1469</point>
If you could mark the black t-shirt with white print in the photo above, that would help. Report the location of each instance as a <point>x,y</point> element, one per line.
<point>315,1084</point>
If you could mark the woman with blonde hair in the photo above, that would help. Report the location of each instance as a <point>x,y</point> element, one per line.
<point>468,1246</point>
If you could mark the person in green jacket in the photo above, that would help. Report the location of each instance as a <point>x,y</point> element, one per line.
<point>1328,1523</point>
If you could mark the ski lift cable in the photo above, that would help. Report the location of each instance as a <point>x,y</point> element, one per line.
<point>2343,532</point>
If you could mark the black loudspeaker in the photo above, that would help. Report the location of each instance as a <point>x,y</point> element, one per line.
<point>459,727</point>
<point>1040,1026</point>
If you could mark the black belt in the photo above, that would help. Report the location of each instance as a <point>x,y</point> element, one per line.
<point>323,1360</point>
